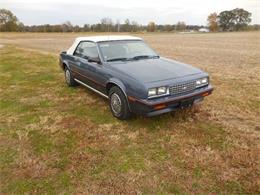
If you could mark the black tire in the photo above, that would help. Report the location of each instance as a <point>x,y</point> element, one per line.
<point>115,94</point>
<point>68,78</point>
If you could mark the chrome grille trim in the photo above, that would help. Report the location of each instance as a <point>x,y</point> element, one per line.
<point>182,88</point>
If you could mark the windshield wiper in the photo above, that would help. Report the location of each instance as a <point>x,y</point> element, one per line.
<point>144,57</point>
<point>133,58</point>
<point>117,59</point>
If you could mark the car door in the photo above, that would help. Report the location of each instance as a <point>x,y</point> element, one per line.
<point>75,63</point>
<point>89,72</point>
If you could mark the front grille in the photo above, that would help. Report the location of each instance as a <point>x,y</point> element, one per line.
<point>182,88</point>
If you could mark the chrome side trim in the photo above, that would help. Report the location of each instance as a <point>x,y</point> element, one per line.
<point>91,88</point>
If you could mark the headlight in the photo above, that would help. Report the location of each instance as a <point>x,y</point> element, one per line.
<point>152,92</point>
<point>202,82</point>
<point>158,91</point>
<point>161,90</point>
<point>198,82</point>
<point>205,80</point>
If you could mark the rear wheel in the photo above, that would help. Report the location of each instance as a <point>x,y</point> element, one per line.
<point>68,78</point>
<point>118,104</point>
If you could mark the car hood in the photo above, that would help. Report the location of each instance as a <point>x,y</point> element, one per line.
<point>152,70</point>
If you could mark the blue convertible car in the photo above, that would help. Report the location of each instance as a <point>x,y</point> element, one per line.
<point>132,76</point>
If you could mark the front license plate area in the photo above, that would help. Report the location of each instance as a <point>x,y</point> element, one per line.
<point>186,103</point>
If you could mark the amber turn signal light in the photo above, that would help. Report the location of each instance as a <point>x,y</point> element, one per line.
<point>205,94</point>
<point>160,106</point>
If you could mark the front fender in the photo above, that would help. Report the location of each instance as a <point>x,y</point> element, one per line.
<point>64,61</point>
<point>130,87</point>
<point>119,83</point>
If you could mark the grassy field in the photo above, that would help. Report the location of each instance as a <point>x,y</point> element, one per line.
<point>55,139</point>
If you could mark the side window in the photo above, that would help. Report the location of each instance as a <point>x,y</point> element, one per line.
<point>86,50</point>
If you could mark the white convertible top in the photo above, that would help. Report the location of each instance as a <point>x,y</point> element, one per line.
<point>101,38</point>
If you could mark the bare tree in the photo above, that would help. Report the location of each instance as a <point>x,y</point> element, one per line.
<point>126,26</point>
<point>118,25</point>
<point>151,27</point>
<point>181,26</point>
<point>67,27</point>
<point>134,26</point>
<point>107,23</point>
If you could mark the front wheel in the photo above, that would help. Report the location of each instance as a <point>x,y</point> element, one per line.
<point>118,104</point>
<point>69,79</point>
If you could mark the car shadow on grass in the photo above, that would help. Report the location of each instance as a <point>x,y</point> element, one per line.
<point>163,121</point>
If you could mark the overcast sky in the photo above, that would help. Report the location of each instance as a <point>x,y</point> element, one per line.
<point>160,11</point>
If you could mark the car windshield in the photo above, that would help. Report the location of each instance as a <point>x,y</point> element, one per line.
<point>125,50</point>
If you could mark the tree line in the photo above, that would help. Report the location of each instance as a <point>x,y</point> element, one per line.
<point>233,20</point>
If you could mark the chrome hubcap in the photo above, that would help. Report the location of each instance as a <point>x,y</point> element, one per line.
<point>115,103</point>
<point>67,76</point>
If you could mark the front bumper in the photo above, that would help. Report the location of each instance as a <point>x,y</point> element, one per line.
<point>162,105</point>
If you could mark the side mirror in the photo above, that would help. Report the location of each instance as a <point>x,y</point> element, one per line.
<point>96,59</point>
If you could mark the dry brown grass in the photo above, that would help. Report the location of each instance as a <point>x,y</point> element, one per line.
<point>232,59</point>
<point>214,149</point>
